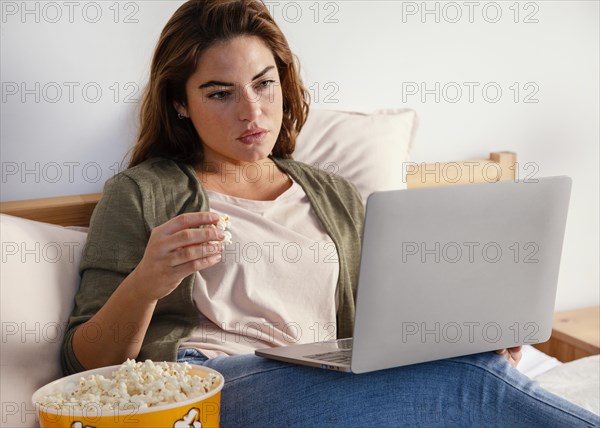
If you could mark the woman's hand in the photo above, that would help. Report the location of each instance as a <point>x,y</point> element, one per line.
<point>175,250</point>
<point>512,355</point>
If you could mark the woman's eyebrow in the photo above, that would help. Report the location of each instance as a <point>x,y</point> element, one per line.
<point>262,73</point>
<point>219,83</point>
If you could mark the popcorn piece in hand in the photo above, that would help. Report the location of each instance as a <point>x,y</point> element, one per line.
<point>224,224</point>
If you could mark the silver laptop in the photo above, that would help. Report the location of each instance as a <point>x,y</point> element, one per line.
<point>450,271</point>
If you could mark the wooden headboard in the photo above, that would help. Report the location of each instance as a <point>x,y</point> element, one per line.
<point>76,210</point>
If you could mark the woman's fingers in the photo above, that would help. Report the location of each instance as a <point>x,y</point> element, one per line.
<point>187,221</point>
<point>194,252</point>
<point>190,267</point>
<point>189,237</point>
<point>181,231</point>
<point>515,354</point>
<point>512,355</point>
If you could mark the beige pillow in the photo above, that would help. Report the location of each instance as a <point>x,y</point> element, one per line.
<point>367,149</point>
<point>39,278</point>
<point>577,381</point>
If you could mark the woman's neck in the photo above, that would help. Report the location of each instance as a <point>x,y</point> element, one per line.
<point>261,180</point>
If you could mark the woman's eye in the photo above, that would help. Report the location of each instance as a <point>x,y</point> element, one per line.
<point>221,95</point>
<point>266,83</point>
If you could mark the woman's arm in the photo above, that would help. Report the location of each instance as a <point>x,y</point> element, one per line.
<point>175,250</point>
<point>117,330</point>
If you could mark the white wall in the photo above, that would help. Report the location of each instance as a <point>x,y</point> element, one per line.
<point>72,71</point>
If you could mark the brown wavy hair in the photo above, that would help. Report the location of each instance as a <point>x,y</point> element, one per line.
<point>196,26</point>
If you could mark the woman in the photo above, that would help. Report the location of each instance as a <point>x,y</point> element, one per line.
<point>218,127</point>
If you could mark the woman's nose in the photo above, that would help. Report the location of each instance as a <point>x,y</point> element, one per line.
<point>250,104</point>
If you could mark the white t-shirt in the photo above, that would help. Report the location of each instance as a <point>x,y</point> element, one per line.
<point>276,283</point>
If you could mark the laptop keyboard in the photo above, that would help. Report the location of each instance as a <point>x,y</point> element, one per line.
<point>344,343</point>
<point>341,356</point>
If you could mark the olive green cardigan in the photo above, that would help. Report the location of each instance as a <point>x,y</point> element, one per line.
<point>147,195</point>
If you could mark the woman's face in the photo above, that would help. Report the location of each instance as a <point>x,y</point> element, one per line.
<point>235,102</point>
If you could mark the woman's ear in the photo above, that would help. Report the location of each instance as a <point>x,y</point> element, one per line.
<point>181,110</point>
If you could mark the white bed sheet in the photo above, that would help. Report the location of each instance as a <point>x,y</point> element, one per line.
<point>535,362</point>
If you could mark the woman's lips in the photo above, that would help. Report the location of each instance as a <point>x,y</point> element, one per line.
<point>255,137</point>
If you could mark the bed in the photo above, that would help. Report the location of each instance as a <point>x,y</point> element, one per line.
<point>42,241</point>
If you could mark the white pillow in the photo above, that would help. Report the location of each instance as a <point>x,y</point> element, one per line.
<point>367,149</point>
<point>39,279</point>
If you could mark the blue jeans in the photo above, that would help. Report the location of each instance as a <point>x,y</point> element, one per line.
<point>476,390</point>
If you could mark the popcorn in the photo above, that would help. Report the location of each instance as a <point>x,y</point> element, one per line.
<point>144,384</point>
<point>224,224</point>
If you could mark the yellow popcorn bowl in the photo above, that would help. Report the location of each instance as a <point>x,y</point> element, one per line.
<point>202,411</point>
